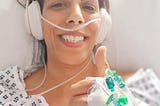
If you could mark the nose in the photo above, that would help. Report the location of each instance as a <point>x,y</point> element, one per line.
<point>75,16</point>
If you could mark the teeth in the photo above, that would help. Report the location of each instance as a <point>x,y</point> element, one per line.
<point>72,39</point>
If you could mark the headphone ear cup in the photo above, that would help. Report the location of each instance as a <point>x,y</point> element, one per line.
<point>33,20</point>
<point>105,25</point>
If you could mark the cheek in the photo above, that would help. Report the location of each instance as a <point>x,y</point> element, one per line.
<point>94,29</point>
<point>95,25</point>
<point>45,28</point>
<point>48,33</point>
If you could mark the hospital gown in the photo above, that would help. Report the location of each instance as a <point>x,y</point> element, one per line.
<point>13,93</point>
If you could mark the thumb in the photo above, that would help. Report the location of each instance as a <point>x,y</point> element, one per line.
<point>100,60</point>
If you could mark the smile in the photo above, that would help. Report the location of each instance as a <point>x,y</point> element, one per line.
<point>72,39</point>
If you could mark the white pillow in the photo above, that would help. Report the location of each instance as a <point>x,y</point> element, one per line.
<point>16,46</point>
<point>135,37</point>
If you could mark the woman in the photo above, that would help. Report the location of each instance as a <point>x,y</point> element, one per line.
<point>69,29</point>
<point>64,51</point>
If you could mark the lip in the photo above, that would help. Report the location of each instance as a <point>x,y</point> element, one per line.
<point>71,44</point>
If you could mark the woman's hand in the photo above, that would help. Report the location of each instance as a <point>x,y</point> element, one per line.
<point>79,91</point>
<point>101,62</point>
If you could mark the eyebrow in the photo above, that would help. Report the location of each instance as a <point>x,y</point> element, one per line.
<point>96,1</point>
<point>93,1</point>
<point>81,0</point>
<point>89,0</point>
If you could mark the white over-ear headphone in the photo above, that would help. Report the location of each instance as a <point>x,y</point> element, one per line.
<point>33,19</point>
<point>34,27</point>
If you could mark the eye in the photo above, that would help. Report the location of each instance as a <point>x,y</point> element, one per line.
<point>89,8</point>
<point>58,5</point>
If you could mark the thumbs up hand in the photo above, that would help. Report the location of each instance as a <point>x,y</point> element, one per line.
<point>80,89</point>
<point>100,61</point>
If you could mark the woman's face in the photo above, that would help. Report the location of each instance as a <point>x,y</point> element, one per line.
<point>72,47</point>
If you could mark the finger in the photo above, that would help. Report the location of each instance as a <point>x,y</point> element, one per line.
<point>81,87</point>
<point>100,60</point>
<point>80,100</point>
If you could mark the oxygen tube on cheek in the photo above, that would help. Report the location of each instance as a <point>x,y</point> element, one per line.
<point>70,29</point>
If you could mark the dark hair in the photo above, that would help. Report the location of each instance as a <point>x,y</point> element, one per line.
<point>104,4</point>
<point>41,2</point>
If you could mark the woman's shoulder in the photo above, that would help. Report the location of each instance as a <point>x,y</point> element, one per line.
<point>12,78</point>
<point>12,89</point>
<point>11,81</point>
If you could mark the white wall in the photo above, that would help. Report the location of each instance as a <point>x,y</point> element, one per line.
<point>135,37</point>
<point>15,43</point>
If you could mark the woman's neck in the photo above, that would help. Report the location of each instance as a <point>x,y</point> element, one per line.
<point>57,73</point>
<point>57,69</point>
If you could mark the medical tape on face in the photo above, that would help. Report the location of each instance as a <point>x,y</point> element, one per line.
<point>70,29</point>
